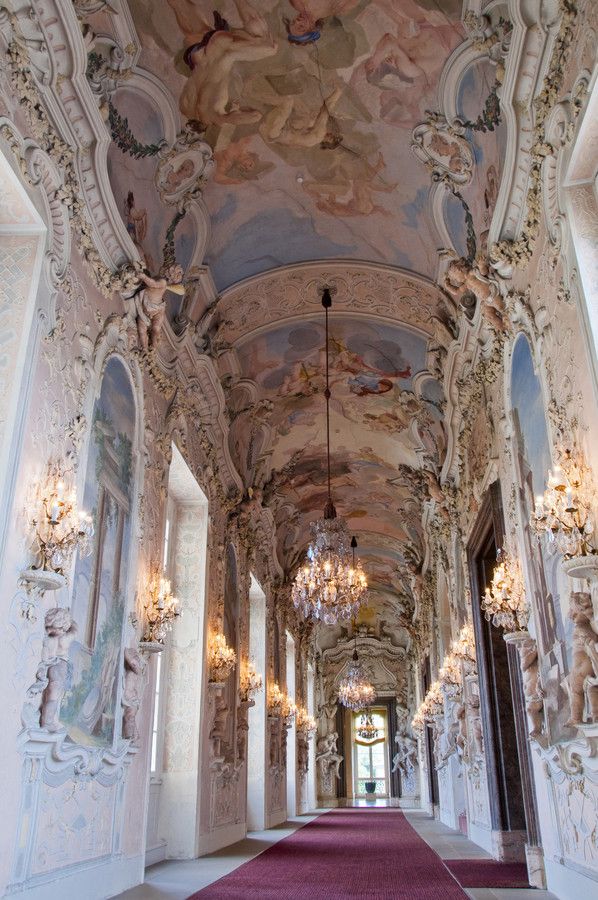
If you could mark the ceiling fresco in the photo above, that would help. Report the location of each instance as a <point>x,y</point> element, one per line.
<point>334,156</point>
<point>386,412</point>
<point>309,108</point>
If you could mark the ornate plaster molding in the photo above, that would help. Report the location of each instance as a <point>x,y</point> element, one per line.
<point>534,81</point>
<point>294,291</point>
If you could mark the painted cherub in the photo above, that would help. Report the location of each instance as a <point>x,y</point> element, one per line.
<point>211,53</point>
<point>281,125</point>
<point>305,28</point>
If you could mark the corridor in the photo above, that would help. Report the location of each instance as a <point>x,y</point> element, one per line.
<point>336,854</point>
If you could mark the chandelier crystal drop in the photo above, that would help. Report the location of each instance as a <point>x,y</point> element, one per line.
<point>331,585</point>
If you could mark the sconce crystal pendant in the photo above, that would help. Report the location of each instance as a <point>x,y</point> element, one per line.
<point>331,585</point>
<point>504,601</point>
<point>563,512</point>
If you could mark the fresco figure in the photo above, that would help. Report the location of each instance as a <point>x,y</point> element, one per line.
<point>237,163</point>
<point>280,126</point>
<point>136,220</point>
<point>360,181</point>
<point>306,27</point>
<point>212,53</point>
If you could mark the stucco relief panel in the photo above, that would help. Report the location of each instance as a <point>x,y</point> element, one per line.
<point>74,824</point>
<point>17,260</point>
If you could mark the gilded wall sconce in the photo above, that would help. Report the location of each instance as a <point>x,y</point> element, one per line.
<point>161,608</point>
<point>59,528</point>
<point>306,724</point>
<point>221,658</point>
<point>250,682</point>
<point>563,513</point>
<point>504,601</point>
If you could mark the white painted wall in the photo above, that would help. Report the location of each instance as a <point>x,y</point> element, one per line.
<point>291,733</point>
<point>256,745</point>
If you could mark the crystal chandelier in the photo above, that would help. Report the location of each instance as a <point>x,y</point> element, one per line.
<point>366,729</point>
<point>331,585</point>
<point>504,601</point>
<point>355,691</point>
<point>563,511</point>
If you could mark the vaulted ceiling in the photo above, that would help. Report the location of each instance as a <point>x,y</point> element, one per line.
<point>313,110</point>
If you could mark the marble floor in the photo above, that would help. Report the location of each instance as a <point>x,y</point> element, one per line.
<point>177,879</point>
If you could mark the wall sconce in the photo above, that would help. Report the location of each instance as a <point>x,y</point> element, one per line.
<point>250,682</point>
<point>450,675</point>
<point>161,609</point>
<point>221,658</point>
<point>504,602</point>
<point>279,703</point>
<point>463,647</point>
<point>306,724</point>
<point>563,511</point>
<point>288,710</point>
<point>275,699</point>
<point>58,529</point>
<point>431,706</point>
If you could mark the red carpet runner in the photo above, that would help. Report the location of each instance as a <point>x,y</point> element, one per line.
<point>488,873</point>
<point>342,854</point>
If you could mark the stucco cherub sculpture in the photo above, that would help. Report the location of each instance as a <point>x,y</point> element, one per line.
<point>132,693</point>
<point>327,757</point>
<point>150,306</point>
<point>532,689</point>
<point>583,679</point>
<point>464,278</point>
<point>54,672</point>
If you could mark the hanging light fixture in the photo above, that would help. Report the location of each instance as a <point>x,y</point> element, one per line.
<point>331,585</point>
<point>355,691</point>
<point>366,729</point>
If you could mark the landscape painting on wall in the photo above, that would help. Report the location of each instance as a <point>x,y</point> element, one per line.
<point>533,461</point>
<point>90,707</point>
